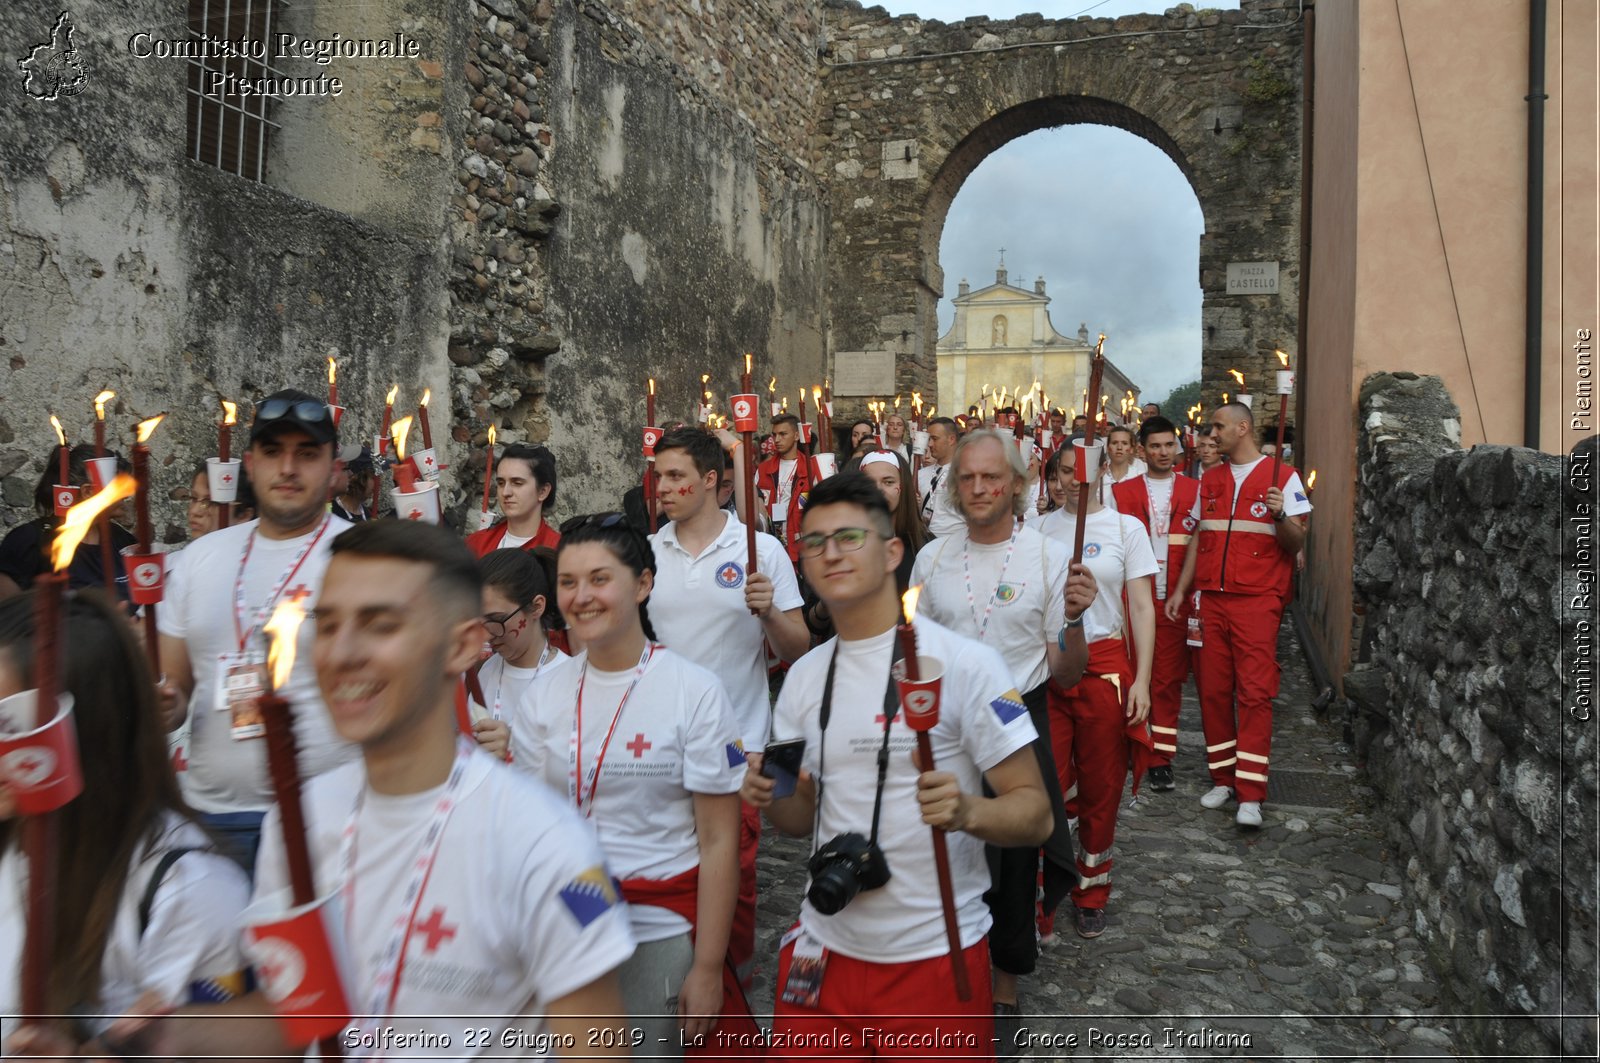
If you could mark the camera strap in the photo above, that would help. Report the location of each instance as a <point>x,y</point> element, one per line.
<point>891,707</point>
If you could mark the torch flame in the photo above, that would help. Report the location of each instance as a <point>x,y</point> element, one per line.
<point>772,385</point>
<point>81,517</point>
<point>230,412</point>
<point>748,361</point>
<point>100,401</point>
<point>398,431</point>
<point>1311,479</point>
<point>427,393</point>
<point>282,628</point>
<point>1237,376</point>
<point>147,427</point>
<point>56,424</point>
<point>333,370</point>
<point>1283,358</point>
<point>816,396</point>
<point>908,602</point>
<point>931,410</point>
<point>491,435</point>
<point>389,398</point>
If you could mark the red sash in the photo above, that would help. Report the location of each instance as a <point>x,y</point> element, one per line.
<point>681,894</point>
<point>1107,658</point>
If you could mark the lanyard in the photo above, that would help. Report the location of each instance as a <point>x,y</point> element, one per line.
<point>239,629</point>
<point>391,963</point>
<point>549,651</point>
<point>575,750</point>
<point>966,570</point>
<point>933,489</point>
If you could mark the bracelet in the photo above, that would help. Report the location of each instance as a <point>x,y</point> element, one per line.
<point>1061,636</point>
<point>1279,518</point>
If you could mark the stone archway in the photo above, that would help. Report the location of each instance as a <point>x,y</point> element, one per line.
<point>913,107</point>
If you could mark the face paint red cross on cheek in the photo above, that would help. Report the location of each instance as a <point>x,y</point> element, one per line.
<point>686,490</point>
<point>998,491</point>
<point>522,625</point>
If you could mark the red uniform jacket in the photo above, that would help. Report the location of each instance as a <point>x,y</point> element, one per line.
<point>488,540</point>
<point>806,476</point>
<point>1238,550</point>
<point>1133,499</point>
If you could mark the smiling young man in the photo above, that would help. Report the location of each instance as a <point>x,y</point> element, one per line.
<point>720,617</point>
<point>216,603</point>
<point>473,893</point>
<point>880,962</point>
<point>525,483</point>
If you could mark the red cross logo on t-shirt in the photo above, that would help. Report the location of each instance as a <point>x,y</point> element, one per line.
<point>435,931</point>
<point>179,761</point>
<point>298,594</point>
<point>637,746</point>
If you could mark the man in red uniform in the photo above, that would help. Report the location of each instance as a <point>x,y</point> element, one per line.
<point>784,480</point>
<point>1163,501</point>
<point>1250,529</point>
<point>525,480</point>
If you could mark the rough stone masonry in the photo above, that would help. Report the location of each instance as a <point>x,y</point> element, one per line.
<point>1490,785</point>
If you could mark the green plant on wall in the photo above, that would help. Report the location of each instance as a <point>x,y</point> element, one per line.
<point>1263,84</point>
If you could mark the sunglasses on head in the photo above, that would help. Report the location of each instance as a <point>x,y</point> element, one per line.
<point>306,411</point>
<point>595,520</point>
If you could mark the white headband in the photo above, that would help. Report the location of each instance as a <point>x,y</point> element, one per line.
<point>878,457</point>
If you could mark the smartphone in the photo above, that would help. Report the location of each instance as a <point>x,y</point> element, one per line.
<point>781,762</point>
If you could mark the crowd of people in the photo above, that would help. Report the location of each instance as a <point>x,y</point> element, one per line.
<point>538,759</point>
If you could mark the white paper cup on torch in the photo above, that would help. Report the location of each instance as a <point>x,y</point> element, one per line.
<point>827,464</point>
<point>1285,381</point>
<point>427,463</point>
<point>919,442</point>
<point>1089,458</point>
<point>101,472</point>
<point>485,519</point>
<point>1046,437</point>
<point>39,764</point>
<point>299,958</point>
<point>1245,400</point>
<point>421,504</point>
<point>223,479</point>
<point>919,698</point>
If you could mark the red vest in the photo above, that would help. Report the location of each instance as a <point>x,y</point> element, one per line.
<point>1133,500</point>
<point>489,539</point>
<point>1239,551</point>
<point>806,476</point>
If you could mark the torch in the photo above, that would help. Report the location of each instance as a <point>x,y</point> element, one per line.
<point>141,502</point>
<point>1243,397</point>
<point>278,722</point>
<point>1285,386</point>
<point>1087,454</point>
<point>223,499</point>
<point>488,480</point>
<point>919,701</point>
<point>825,415</point>
<point>333,392</point>
<point>705,398</point>
<point>40,830</point>
<point>744,417</point>
<point>65,493</point>
<point>103,526</point>
<point>426,460</point>
<point>651,435</point>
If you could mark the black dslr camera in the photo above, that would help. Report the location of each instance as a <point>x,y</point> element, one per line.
<point>842,868</point>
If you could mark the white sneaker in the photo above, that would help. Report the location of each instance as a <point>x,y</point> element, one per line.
<point>1216,797</point>
<point>1249,814</point>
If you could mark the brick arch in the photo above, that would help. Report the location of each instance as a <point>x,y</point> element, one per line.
<point>911,108</point>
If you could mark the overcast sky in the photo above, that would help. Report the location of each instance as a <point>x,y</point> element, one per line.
<point>1104,216</point>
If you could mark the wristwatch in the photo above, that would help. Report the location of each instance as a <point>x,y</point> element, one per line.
<point>1061,636</point>
<point>1280,516</point>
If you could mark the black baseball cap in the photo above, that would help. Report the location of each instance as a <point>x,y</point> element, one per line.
<point>294,409</point>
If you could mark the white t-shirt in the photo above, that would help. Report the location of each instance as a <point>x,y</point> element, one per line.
<point>192,937</point>
<point>1136,467</point>
<point>514,542</point>
<point>225,775</point>
<point>1026,602</point>
<point>519,909</point>
<point>1160,493</point>
<point>505,685</point>
<point>945,518</point>
<point>698,610</point>
<point>675,737</point>
<point>932,479</point>
<point>1116,550</point>
<point>982,720</point>
<point>780,505</point>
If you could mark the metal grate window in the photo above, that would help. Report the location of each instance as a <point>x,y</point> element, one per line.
<point>227,129</point>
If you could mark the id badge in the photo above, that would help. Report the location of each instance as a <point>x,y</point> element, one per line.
<point>241,680</point>
<point>803,987</point>
<point>1196,634</point>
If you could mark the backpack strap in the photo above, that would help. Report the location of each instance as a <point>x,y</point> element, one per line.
<point>146,902</point>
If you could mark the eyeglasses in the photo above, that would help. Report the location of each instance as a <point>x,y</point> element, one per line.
<point>496,625</point>
<point>849,540</point>
<point>306,411</point>
<point>595,520</point>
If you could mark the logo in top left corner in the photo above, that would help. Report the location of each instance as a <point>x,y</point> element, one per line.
<point>54,68</point>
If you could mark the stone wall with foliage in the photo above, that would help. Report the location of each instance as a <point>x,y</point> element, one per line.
<point>1490,785</point>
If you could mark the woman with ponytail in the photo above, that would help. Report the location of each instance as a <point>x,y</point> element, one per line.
<point>644,743</point>
<point>143,907</point>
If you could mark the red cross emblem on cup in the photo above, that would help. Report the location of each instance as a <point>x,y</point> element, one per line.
<point>744,413</point>
<point>66,498</point>
<point>144,576</point>
<point>652,436</point>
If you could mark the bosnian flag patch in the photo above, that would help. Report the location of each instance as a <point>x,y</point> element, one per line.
<point>590,895</point>
<point>1008,706</point>
<point>1299,497</point>
<point>735,754</point>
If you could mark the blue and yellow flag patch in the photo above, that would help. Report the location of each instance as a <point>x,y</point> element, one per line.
<point>1009,706</point>
<point>736,753</point>
<point>590,895</point>
<point>218,988</point>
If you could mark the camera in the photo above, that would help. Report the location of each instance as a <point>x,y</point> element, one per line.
<point>842,868</point>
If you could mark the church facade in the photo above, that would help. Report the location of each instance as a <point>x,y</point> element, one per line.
<point>1002,337</point>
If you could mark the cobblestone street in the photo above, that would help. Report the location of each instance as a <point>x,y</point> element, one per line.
<point>1288,941</point>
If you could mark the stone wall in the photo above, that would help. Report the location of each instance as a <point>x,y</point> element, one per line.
<point>124,265</point>
<point>913,106</point>
<point>1491,788</point>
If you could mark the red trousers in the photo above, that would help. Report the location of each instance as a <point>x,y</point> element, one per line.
<point>1238,678</point>
<point>1167,673</point>
<point>742,936</point>
<point>888,1011</point>
<point>1089,737</point>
